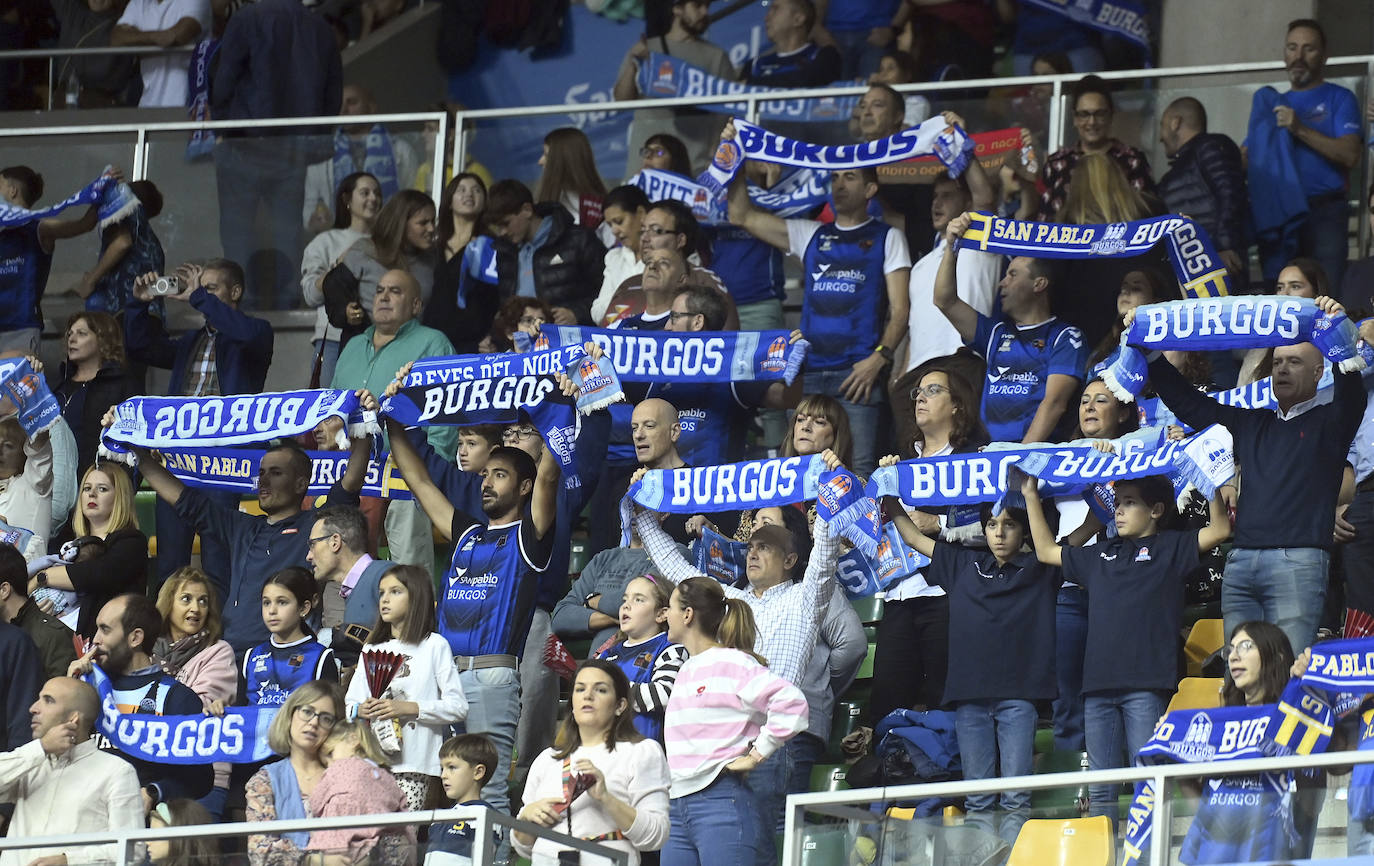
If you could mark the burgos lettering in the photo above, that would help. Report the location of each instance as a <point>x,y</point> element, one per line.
<point>1243,316</point>
<point>737,485</point>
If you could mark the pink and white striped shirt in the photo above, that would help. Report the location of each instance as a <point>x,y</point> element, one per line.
<point>724,700</point>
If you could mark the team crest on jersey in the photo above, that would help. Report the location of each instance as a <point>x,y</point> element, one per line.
<point>1143,555</point>
<point>776,360</point>
<point>1039,344</point>
<point>644,660</point>
<point>824,245</point>
<point>296,660</point>
<point>260,665</point>
<point>1005,344</point>
<point>866,244</point>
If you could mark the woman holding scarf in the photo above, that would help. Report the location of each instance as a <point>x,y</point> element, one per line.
<point>460,224</point>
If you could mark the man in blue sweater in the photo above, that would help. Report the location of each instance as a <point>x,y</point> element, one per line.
<point>1293,460</point>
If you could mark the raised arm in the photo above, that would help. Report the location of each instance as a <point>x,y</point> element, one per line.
<point>422,487</point>
<point>1218,527</point>
<point>662,550</point>
<point>1047,550</point>
<point>906,527</point>
<point>1059,390</point>
<point>763,225</point>
<point>983,196</point>
<point>544,504</point>
<point>963,317</point>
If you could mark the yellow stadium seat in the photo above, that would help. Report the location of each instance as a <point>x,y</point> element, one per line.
<point>1070,842</point>
<point>251,506</point>
<point>1197,693</point>
<point>1207,636</point>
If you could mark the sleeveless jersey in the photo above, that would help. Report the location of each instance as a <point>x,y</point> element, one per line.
<point>491,585</point>
<point>846,294</point>
<point>24,270</point>
<point>271,672</point>
<point>637,662</point>
<point>1020,363</point>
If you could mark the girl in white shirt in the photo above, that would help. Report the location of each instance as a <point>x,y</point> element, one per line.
<point>425,696</point>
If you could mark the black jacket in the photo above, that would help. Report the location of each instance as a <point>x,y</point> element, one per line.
<point>84,404</point>
<point>567,267</point>
<point>1205,180</point>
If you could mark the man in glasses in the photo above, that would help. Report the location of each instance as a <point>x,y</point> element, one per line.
<point>347,575</point>
<point>1093,110</point>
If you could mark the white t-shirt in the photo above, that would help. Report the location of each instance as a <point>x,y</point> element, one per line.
<point>164,78</point>
<point>931,335</point>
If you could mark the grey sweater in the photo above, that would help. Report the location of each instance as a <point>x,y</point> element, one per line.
<point>607,574</point>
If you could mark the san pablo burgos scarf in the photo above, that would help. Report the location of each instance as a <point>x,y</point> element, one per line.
<point>798,194</point>
<point>680,356</point>
<point>1196,263</point>
<point>28,392</point>
<point>1340,672</point>
<point>463,390</point>
<point>237,737</point>
<point>1124,18</point>
<point>114,201</point>
<point>236,469</point>
<point>201,143</point>
<point>176,423</point>
<point>663,76</point>
<point>379,160</point>
<point>1208,324</point>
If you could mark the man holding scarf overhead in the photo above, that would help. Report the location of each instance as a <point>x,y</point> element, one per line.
<point>1293,460</point>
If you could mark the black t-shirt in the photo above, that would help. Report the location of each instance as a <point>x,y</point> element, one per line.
<point>1001,624</point>
<point>1135,608</point>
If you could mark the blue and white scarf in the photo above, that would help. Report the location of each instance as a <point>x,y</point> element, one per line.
<point>1124,18</point>
<point>28,393</point>
<point>1301,722</point>
<point>666,77</point>
<point>175,423</point>
<point>378,161</point>
<point>236,469</point>
<point>799,193</point>
<point>478,264</point>
<point>1196,264</point>
<point>1206,324</point>
<point>201,143</point>
<point>682,356</point>
<point>114,201</point>
<point>237,737</point>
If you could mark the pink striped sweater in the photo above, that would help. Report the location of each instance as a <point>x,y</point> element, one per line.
<point>723,700</point>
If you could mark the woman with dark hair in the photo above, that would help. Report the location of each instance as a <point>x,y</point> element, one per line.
<point>570,176</point>
<point>625,209</point>
<point>402,239</point>
<point>819,422</point>
<point>666,153</point>
<point>916,614</point>
<point>356,204</point>
<point>92,378</point>
<point>624,776</point>
<point>462,306</point>
<point>516,314</point>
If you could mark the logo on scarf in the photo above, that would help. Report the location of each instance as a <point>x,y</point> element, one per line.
<point>541,342</point>
<point>666,83</point>
<point>777,356</point>
<point>1113,240</point>
<point>1197,743</point>
<point>716,552</point>
<point>728,156</point>
<point>834,490</point>
<point>593,379</point>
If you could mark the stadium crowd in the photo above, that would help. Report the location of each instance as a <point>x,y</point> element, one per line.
<point>702,701</point>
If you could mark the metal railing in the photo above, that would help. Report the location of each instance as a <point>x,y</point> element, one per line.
<point>854,805</point>
<point>483,820</point>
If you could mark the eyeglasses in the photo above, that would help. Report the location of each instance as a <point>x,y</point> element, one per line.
<point>1099,114</point>
<point>928,391</point>
<point>656,150</point>
<point>310,714</point>
<point>1241,648</point>
<point>317,539</point>
<point>515,434</point>
<point>674,316</point>
<point>531,320</point>
<point>658,231</point>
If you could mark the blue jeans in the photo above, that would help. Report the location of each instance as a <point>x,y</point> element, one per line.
<point>494,709</point>
<point>806,750</point>
<point>996,739</point>
<point>718,825</point>
<point>538,697</point>
<point>328,360</point>
<point>863,419</point>
<point>769,782</point>
<point>1116,725</point>
<point>270,171</point>
<point>1359,838</point>
<point>1284,585</point>
<point>1321,236</point>
<point>1071,641</point>
<point>858,59</point>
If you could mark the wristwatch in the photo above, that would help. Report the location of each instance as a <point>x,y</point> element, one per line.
<point>884,351</point>
<point>42,578</point>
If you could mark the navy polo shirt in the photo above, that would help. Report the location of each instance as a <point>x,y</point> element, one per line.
<point>1001,624</point>
<point>1135,608</point>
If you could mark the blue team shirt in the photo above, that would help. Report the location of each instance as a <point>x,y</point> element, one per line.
<point>24,270</point>
<point>1331,110</point>
<point>845,304</point>
<point>272,671</point>
<point>1240,819</point>
<point>451,842</point>
<point>1361,798</point>
<point>1020,363</point>
<point>491,585</point>
<point>621,451</point>
<point>637,661</point>
<point>751,268</point>
<point>713,418</point>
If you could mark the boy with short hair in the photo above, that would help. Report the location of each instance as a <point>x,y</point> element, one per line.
<point>466,762</point>
<point>475,444</point>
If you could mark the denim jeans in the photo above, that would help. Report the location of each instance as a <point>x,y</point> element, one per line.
<point>1116,725</point>
<point>997,739</point>
<point>716,826</point>
<point>328,360</point>
<point>494,709</point>
<point>270,171</point>
<point>538,697</point>
<point>769,782</point>
<point>1284,585</point>
<point>1070,642</point>
<point>806,750</point>
<point>863,419</point>
<point>1358,554</point>
<point>1359,838</point>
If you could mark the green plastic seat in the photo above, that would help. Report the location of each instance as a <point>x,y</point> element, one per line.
<point>869,609</point>
<point>830,777</point>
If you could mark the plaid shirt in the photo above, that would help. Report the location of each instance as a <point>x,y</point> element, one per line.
<point>202,379</point>
<point>788,615</point>
<point>1060,166</point>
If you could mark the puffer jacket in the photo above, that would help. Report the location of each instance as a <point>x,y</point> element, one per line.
<point>1206,181</point>
<point>567,266</point>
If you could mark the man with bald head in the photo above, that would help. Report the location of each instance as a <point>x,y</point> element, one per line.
<point>62,783</point>
<point>1292,460</point>
<point>1205,180</point>
<point>654,431</point>
<point>370,360</point>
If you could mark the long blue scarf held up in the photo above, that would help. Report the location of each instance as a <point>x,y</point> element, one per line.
<point>236,469</point>
<point>1124,18</point>
<point>1196,263</point>
<point>379,160</point>
<point>238,737</point>
<point>798,193</point>
<point>679,356</point>
<point>668,77</point>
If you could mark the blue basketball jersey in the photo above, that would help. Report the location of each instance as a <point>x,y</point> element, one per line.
<point>637,661</point>
<point>24,268</point>
<point>845,302</point>
<point>492,582</point>
<point>713,417</point>
<point>751,268</point>
<point>272,671</point>
<point>621,450</point>
<point>1020,363</point>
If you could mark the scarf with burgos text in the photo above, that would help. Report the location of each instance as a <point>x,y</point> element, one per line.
<point>236,469</point>
<point>237,737</point>
<point>1220,324</point>
<point>681,356</point>
<point>799,193</point>
<point>1301,723</point>
<point>178,423</point>
<point>1126,19</point>
<point>1196,264</point>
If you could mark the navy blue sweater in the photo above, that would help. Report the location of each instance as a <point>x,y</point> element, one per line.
<point>243,344</point>
<point>1292,468</point>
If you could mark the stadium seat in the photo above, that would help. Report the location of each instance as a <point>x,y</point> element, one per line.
<point>830,777</point>
<point>869,609</point>
<point>251,506</point>
<point>1197,693</point>
<point>1071,842</point>
<point>866,667</point>
<point>577,555</point>
<point>1059,802</point>
<point>824,845</point>
<point>1207,636</point>
<point>847,718</point>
